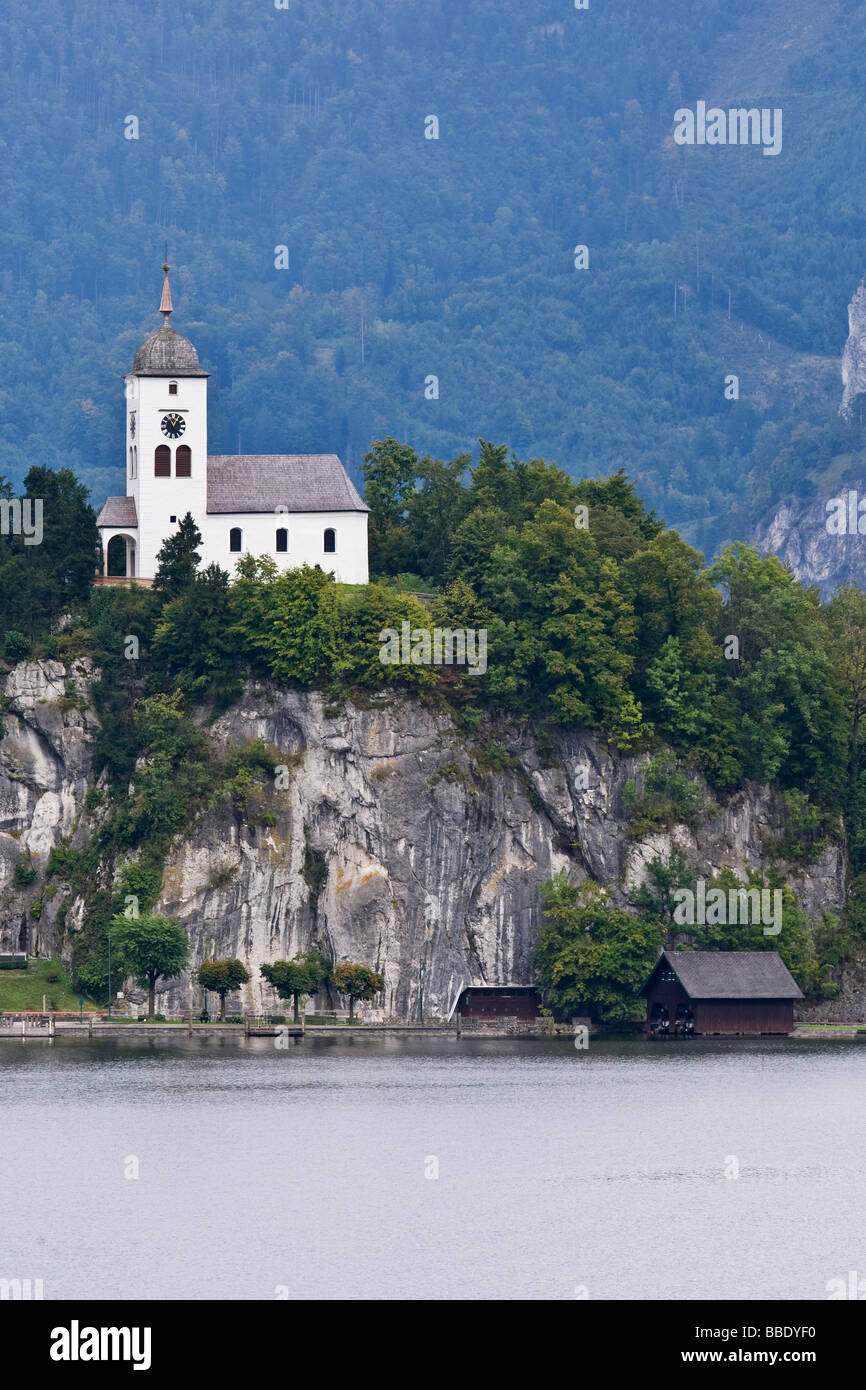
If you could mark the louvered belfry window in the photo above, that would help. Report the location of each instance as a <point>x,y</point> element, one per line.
<point>162,461</point>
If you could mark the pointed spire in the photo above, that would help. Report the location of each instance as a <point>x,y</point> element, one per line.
<point>165,304</point>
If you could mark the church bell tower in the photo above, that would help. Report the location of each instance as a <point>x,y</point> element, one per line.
<point>166,436</point>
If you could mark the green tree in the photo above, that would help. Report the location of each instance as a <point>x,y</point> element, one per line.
<point>473,545</point>
<point>592,957</point>
<point>435,508</point>
<point>42,580</point>
<point>389,470</point>
<point>357,981</point>
<point>783,684</point>
<point>221,977</point>
<point>306,974</point>
<point>151,948</point>
<point>683,697</point>
<point>570,626</point>
<point>195,644</point>
<point>845,616</point>
<point>178,560</point>
<point>359,615</point>
<point>288,624</point>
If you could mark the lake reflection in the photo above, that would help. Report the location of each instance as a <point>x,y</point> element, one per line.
<point>305,1168</point>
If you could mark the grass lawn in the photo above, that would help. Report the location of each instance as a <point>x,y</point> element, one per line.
<point>23,989</point>
<point>824,1026</point>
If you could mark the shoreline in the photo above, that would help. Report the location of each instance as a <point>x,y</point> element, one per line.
<point>34,1030</point>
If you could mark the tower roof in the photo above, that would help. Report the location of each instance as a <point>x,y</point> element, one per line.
<point>166,353</point>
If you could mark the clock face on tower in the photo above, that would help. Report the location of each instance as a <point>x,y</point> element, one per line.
<point>173,426</point>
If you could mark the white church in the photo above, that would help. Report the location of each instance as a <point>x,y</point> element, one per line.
<point>297,508</point>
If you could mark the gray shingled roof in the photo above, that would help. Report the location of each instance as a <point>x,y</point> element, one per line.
<point>731,974</point>
<point>118,511</point>
<point>264,482</point>
<point>166,353</point>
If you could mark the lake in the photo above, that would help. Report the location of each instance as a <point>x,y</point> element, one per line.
<point>303,1173</point>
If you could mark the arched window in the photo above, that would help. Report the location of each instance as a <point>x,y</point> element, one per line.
<point>183,461</point>
<point>172,388</point>
<point>282,539</point>
<point>135,460</point>
<point>131,467</point>
<point>330,540</point>
<point>162,461</point>
<point>235,538</point>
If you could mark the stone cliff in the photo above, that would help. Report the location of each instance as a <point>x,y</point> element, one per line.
<point>854,354</point>
<point>391,842</point>
<point>797,532</point>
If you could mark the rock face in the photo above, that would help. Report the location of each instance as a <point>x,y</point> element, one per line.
<point>45,767</point>
<point>381,840</point>
<point>854,354</point>
<point>798,533</point>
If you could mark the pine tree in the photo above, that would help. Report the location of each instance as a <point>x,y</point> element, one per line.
<point>178,560</point>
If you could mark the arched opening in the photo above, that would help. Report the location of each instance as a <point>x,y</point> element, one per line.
<point>330,540</point>
<point>131,463</point>
<point>282,540</point>
<point>162,461</point>
<point>120,557</point>
<point>135,460</point>
<point>183,461</point>
<point>235,539</point>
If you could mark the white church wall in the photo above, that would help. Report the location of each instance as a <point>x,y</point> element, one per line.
<point>306,540</point>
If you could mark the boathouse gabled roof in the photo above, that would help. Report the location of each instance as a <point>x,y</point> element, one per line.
<point>729,974</point>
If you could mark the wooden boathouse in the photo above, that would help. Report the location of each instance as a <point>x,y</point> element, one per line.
<point>499,1001</point>
<point>720,994</point>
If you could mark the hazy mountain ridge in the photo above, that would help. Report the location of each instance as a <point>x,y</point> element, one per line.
<point>305,128</point>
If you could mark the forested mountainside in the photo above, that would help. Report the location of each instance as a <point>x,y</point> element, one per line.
<point>624,716</point>
<point>408,258</point>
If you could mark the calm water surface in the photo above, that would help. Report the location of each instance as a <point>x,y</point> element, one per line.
<point>306,1168</point>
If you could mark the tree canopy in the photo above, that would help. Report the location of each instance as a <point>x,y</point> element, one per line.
<point>151,948</point>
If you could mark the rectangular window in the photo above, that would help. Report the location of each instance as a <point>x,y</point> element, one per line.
<point>172,388</point>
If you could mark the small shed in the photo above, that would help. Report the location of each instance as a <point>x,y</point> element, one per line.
<point>720,994</point>
<point>499,1001</point>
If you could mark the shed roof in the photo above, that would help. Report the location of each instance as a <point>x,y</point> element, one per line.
<point>266,482</point>
<point>730,974</point>
<point>118,511</point>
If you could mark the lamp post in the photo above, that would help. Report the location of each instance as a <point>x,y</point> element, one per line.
<point>421,991</point>
<point>109,974</point>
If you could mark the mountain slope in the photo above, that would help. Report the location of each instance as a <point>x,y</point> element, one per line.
<point>411,258</point>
